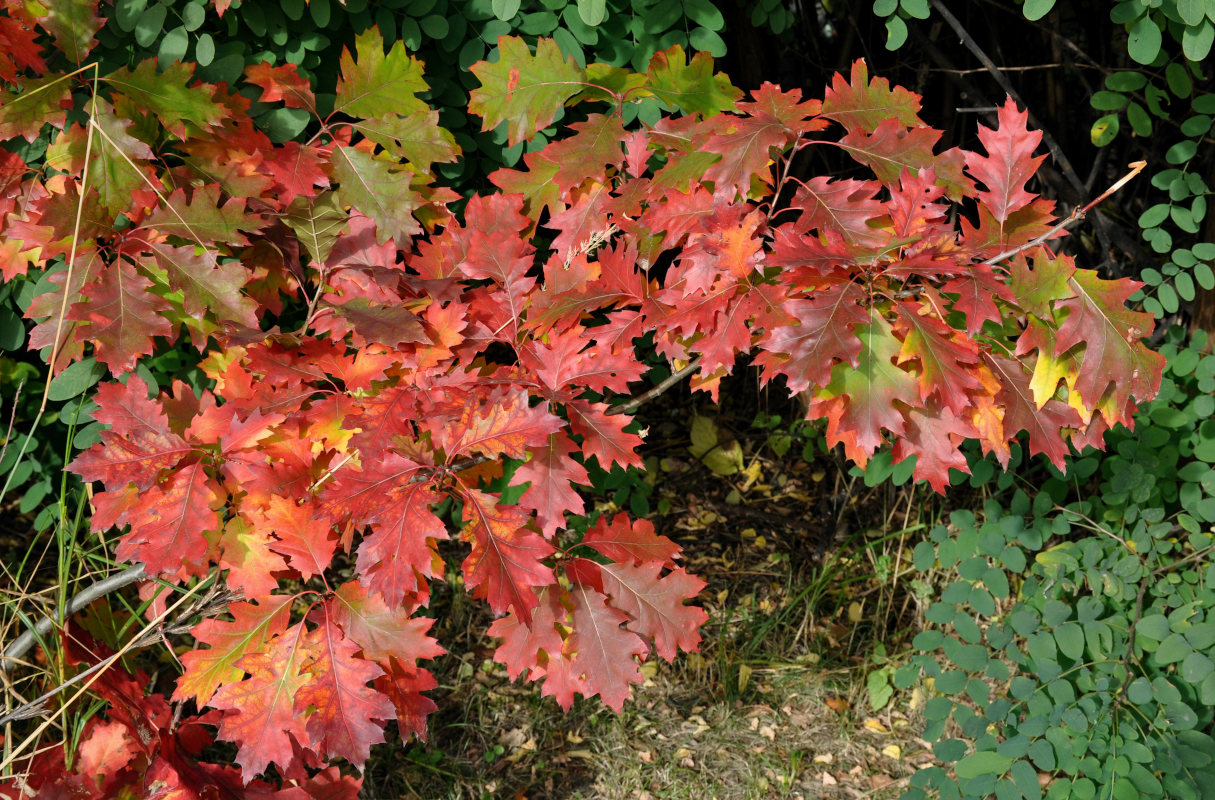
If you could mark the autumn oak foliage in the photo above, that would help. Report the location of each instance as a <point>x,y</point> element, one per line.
<point>431,351</point>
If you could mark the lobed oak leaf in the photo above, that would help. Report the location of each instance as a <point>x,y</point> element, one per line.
<point>843,206</point>
<point>1038,289</point>
<point>933,436</point>
<point>506,559</point>
<point>41,101</point>
<point>655,605</point>
<point>945,357</point>
<point>503,424</point>
<point>344,715</point>
<point>169,526</point>
<point>21,51</point>
<point>1115,357</point>
<point>1009,163</point>
<point>247,556</point>
<point>380,189</point>
<point>401,545</point>
<point>551,471</point>
<point>166,93</point>
<point>303,539</point>
<point>565,363</point>
<point>690,86</point>
<point>374,84</point>
<point>205,284</point>
<point>297,169</point>
<point>860,402</point>
<point>536,185</point>
<point>522,89</point>
<point>861,104</point>
<point>1044,425</point>
<point>375,323</point>
<point>282,84</point>
<point>261,716</point>
<point>807,353</point>
<point>892,149</point>
<point>383,633</point>
<point>416,139</point>
<point>631,542</point>
<point>530,646</point>
<point>252,625</point>
<point>119,316</point>
<point>603,436</point>
<point>138,444</point>
<point>593,146</point>
<point>73,25</point>
<point>403,687</point>
<point>605,653</point>
<point>203,219</point>
<point>977,289</point>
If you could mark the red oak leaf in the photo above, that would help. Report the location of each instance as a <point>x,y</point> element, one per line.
<point>1009,162</point>
<point>501,424</point>
<point>345,716</point>
<point>551,472</point>
<point>605,653</point>
<point>282,84</point>
<point>655,604</point>
<point>400,547</point>
<point>261,711</point>
<point>631,542</point>
<point>303,539</point>
<point>505,562</point>
<point>252,625</point>
<point>382,633</point>
<point>138,444</point>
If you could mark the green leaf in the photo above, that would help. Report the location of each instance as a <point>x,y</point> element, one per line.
<point>1108,101</point>
<point>505,10</point>
<point>380,189</point>
<point>373,84</point>
<point>1178,78</point>
<point>896,32</point>
<point>1174,648</point>
<point>704,13</point>
<point>1196,42</point>
<point>1104,130</point>
<point>1035,10</point>
<point>1191,12</point>
<point>42,101</point>
<point>1070,638</point>
<point>284,124</point>
<point>917,9</point>
<point>986,762</point>
<point>169,96</point>
<point>75,379</point>
<point>592,12</point>
<point>1197,667</point>
<point>523,90</point>
<point>12,330</point>
<point>707,41</point>
<point>691,87</point>
<point>173,46</point>
<point>318,223</point>
<point>1143,44</point>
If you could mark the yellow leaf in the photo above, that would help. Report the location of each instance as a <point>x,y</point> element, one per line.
<point>892,751</point>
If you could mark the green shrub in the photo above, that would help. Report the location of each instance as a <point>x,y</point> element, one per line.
<point>1074,635</point>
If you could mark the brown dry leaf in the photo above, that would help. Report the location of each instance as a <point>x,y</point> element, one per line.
<point>880,781</point>
<point>828,779</point>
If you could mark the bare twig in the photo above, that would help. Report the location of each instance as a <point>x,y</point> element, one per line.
<point>1078,214</point>
<point>647,396</point>
<point>1065,164</point>
<point>43,626</point>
